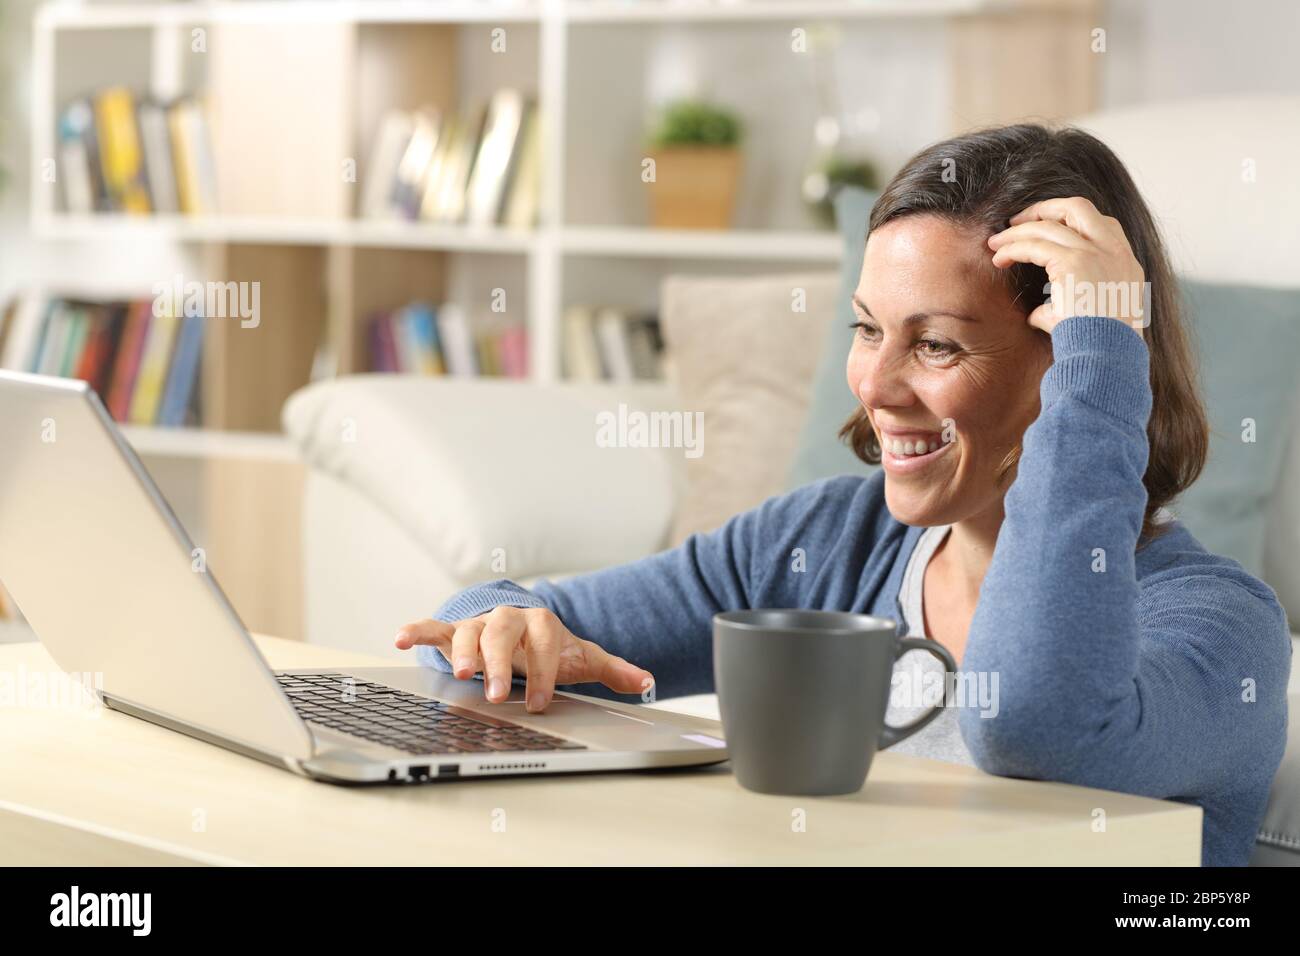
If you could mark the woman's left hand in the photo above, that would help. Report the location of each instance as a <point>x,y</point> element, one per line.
<point>1088,260</point>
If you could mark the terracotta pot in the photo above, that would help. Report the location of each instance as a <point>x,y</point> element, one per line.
<point>694,187</point>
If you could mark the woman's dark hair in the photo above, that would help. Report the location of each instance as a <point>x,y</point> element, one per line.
<point>981,179</point>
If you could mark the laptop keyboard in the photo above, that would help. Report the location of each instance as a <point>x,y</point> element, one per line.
<point>396,718</point>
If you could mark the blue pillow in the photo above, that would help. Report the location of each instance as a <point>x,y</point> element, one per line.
<point>1248,340</point>
<point>819,453</point>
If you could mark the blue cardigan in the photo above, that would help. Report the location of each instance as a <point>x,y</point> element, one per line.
<point>1163,675</point>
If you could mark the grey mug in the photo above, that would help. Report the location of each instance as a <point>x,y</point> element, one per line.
<point>803,696</point>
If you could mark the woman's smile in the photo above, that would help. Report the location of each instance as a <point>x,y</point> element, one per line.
<point>908,452</point>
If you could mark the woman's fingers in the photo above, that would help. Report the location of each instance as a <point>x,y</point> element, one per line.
<point>1051,256</point>
<point>1074,211</point>
<point>1039,229</point>
<point>464,648</point>
<point>616,673</point>
<point>501,633</point>
<point>423,632</point>
<point>533,640</point>
<point>542,642</point>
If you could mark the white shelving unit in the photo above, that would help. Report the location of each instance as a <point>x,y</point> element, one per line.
<point>543,252</point>
<point>202,443</point>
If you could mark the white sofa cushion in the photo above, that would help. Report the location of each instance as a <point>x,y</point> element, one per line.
<point>493,478</point>
<point>1189,178</point>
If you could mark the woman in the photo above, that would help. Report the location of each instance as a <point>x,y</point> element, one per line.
<point>1029,443</point>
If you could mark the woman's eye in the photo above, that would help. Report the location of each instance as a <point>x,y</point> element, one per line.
<point>866,330</point>
<point>932,348</point>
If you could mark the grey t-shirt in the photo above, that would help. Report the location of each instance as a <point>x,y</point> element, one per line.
<point>918,676</point>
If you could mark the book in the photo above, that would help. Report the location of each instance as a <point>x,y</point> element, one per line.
<point>196,181</point>
<point>487,356</point>
<point>79,159</point>
<point>421,317</point>
<point>457,342</point>
<point>428,130</point>
<point>126,363</point>
<point>75,343</point>
<point>445,200</point>
<point>183,373</point>
<point>479,167</point>
<point>152,375</point>
<point>486,185</point>
<point>440,172</point>
<point>383,351</point>
<point>524,190</point>
<point>416,340</point>
<point>103,346</point>
<point>580,354</point>
<point>121,159</point>
<point>512,346</point>
<point>24,329</point>
<point>611,336</point>
<point>156,140</point>
<point>645,342</point>
<point>379,198</point>
<point>54,341</point>
<point>96,326</point>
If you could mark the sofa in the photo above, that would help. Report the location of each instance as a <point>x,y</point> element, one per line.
<point>417,487</point>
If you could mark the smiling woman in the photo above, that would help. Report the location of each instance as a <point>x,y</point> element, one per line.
<point>927,257</point>
<point>1027,449</point>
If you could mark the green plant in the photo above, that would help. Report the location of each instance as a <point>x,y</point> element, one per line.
<point>829,176</point>
<point>696,123</point>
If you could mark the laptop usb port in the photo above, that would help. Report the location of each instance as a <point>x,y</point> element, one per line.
<point>449,770</point>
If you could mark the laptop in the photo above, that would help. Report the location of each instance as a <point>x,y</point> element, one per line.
<point>114,588</point>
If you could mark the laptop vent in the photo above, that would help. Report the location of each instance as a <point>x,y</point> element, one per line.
<point>490,767</point>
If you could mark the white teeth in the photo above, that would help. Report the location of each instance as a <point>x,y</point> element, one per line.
<point>902,449</point>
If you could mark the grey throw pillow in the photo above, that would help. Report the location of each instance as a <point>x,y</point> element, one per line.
<point>819,454</point>
<point>1248,340</point>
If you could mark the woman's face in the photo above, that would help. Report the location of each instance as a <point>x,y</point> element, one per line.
<point>946,368</point>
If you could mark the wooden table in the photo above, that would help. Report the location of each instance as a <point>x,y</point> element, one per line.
<point>105,788</point>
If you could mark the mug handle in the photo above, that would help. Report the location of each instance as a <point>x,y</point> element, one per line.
<point>889,734</point>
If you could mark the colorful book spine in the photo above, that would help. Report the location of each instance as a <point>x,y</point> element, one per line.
<point>512,346</point>
<point>154,363</point>
<point>126,364</point>
<point>183,374</point>
<point>121,158</point>
<point>23,341</point>
<point>386,358</point>
<point>75,342</point>
<point>457,343</point>
<point>54,341</point>
<point>425,332</point>
<point>92,352</point>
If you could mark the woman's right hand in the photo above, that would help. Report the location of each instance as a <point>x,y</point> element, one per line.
<point>530,642</point>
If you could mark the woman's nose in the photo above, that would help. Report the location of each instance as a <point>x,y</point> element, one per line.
<point>882,383</point>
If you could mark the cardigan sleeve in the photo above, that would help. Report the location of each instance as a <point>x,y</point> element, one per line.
<point>1174,686</point>
<point>657,612</point>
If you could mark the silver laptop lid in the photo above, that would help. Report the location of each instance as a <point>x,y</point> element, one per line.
<point>103,571</point>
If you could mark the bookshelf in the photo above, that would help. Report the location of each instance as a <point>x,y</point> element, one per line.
<point>293,220</point>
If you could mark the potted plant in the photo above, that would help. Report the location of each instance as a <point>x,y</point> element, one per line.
<point>696,154</point>
<point>828,176</point>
